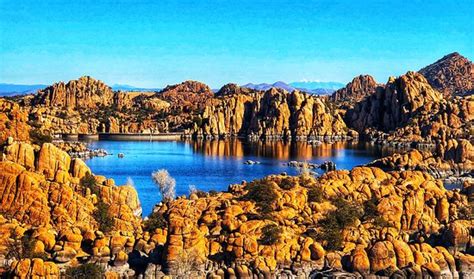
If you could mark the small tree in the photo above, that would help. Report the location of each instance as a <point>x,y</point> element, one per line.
<point>88,181</point>
<point>103,217</point>
<point>270,234</point>
<point>263,193</point>
<point>22,247</point>
<point>165,183</point>
<point>88,270</point>
<point>156,220</point>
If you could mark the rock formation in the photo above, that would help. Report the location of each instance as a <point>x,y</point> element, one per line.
<point>409,109</point>
<point>355,91</point>
<point>453,75</point>
<point>13,121</point>
<point>271,114</point>
<point>400,222</point>
<point>451,159</point>
<point>187,96</point>
<point>83,93</point>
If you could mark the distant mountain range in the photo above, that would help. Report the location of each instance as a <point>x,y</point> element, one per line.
<point>7,89</point>
<point>315,87</point>
<point>126,87</point>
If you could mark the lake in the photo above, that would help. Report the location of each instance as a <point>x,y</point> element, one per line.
<point>214,165</point>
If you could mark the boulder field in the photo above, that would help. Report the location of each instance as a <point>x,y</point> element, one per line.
<point>344,223</point>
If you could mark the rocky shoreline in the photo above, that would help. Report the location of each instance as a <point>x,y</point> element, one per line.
<point>392,223</point>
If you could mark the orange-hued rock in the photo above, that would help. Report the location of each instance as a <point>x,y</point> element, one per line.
<point>409,109</point>
<point>13,122</point>
<point>355,91</point>
<point>271,114</point>
<point>453,75</point>
<point>83,93</point>
<point>34,268</point>
<point>205,230</point>
<point>452,158</point>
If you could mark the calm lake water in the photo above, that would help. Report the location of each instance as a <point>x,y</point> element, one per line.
<point>213,165</point>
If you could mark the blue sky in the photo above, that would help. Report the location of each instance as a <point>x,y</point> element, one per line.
<point>154,43</point>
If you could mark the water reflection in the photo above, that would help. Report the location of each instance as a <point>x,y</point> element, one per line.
<point>283,150</point>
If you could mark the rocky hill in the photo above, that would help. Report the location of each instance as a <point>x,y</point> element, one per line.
<point>355,91</point>
<point>364,221</point>
<point>273,114</point>
<point>453,75</point>
<point>83,93</point>
<point>409,109</point>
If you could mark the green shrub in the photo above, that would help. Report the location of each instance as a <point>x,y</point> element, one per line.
<point>331,226</point>
<point>89,182</point>
<point>88,270</point>
<point>270,234</point>
<point>286,183</point>
<point>262,193</point>
<point>315,194</point>
<point>37,137</point>
<point>370,209</point>
<point>466,212</point>
<point>23,247</point>
<point>156,220</point>
<point>103,217</point>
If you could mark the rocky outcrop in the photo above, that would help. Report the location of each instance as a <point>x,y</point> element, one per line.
<point>400,221</point>
<point>409,109</point>
<point>453,75</point>
<point>187,96</point>
<point>83,93</point>
<point>271,114</point>
<point>13,121</point>
<point>451,159</point>
<point>43,196</point>
<point>227,226</point>
<point>355,91</point>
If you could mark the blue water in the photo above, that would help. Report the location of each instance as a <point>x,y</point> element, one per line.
<point>212,165</point>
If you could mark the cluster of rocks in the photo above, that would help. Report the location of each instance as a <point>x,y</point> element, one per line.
<point>78,149</point>
<point>453,159</point>
<point>326,166</point>
<point>453,75</point>
<point>273,114</point>
<point>424,229</point>
<point>409,110</point>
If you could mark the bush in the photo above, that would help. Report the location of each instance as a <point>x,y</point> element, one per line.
<point>103,217</point>
<point>88,270</point>
<point>332,225</point>
<point>270,234</point>
<point>89,182</point>
<point>465,212</point>
<point>156,220</point>
<point>37,137</point>
<point>23,247</point>
<point>286,183</point>
<point>262,193</point>
<point>315,194</point>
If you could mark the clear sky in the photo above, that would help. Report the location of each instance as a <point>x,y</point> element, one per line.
<point>154,43</point>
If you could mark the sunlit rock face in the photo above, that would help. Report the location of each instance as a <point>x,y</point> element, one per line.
<point>274,113</point>
<point>13,121</point>
<point>83,93</point>
<point>409,109</point>
<point>355,91</point>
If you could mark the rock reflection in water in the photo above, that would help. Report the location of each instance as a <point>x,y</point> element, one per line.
<point>281,150</point>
